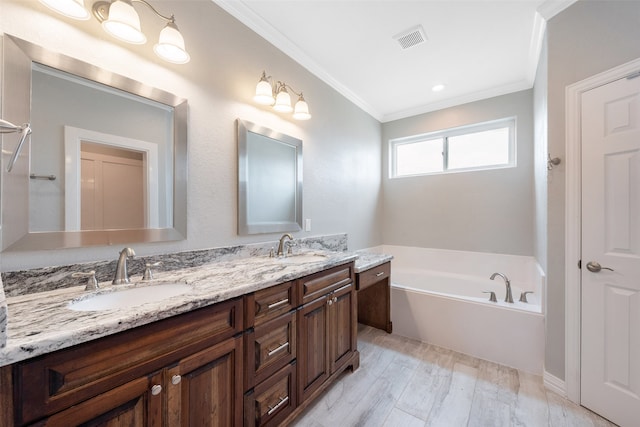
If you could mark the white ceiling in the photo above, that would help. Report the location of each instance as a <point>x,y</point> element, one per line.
<point>476,48</point>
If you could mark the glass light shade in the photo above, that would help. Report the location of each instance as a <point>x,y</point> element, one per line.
<point>170,46</point>
<point>71,8</point>
<point>301,111</point>
<point>283,102</point>
<point>124,23</point>
<point>264,93</point>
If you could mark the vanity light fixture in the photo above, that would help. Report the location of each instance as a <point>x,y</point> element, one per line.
<point>72,8</point>
<point>276,93</point>
<point>120,19</point>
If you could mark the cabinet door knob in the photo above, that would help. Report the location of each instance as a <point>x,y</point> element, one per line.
<point>156,389</point>
<point>335,300</point>
<point>330,301</point>
<point>175,380</point>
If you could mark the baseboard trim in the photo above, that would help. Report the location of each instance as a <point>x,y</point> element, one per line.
<point>555,384</point>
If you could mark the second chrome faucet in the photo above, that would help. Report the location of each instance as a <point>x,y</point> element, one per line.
<point>508,297</point>
<point>122,276</point>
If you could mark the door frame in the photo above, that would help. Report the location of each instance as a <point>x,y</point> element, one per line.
<point>73,138</point>
<point>573,216</point>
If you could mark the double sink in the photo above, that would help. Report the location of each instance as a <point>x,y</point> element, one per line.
<point>114,298</point>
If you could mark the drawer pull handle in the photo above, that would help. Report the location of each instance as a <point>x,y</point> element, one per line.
<point>278,304</point>
<point>156,389</point>
<point>380,274</point>
<point>273,409</point>
<point>175,380</point>
<point>279,348</point>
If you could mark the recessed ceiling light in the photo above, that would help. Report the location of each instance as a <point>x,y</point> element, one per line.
<point>438,88</point>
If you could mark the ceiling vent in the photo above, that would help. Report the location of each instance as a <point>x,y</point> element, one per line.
<point>411,37</point>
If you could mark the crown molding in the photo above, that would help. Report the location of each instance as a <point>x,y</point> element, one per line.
<point>551,8</point>
<point>248,17</point>
<point>459,100</point>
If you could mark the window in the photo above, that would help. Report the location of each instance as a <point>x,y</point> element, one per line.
<point>489,145</point>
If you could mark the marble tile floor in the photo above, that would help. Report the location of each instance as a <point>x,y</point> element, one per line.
<point>406,383</point>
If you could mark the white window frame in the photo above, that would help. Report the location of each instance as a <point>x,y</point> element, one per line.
<point>445,134</point>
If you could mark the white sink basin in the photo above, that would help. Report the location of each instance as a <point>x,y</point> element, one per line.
<point>302,258</point>
<point>129,297</point>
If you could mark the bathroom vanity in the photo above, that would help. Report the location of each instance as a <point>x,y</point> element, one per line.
<point>373,284</point>
<point>253,352</point>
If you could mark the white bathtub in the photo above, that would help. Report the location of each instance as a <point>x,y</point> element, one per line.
<point>436,297</point>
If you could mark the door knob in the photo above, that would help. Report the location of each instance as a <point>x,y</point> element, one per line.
<point>594,267</point>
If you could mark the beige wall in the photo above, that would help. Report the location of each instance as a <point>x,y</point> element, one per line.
<point>341,143</point>
<point>587,38</point>
<point>484,211</point>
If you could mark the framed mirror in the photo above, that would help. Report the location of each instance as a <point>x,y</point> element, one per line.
<point>269,180</point>
<point>107,159</point>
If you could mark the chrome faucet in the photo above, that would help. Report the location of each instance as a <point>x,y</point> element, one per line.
<point>121,275</point>
<point>508,298</point>
<point>281,245</point>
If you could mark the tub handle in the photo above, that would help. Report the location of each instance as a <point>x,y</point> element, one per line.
<point>523,296</point>
<point>492,297</point>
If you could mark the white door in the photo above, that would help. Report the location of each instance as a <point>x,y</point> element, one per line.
<point>610,354</point>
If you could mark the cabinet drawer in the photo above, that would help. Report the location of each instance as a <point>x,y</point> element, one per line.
<point>270,303</point>
<point>373,275</point>
<point>270,346</point>
<point>56,381</point>
<point>316,285</point>
<point>272,400</point>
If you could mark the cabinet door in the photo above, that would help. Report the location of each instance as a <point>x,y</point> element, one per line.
<point>342,327</point>
<point>205,389</point>
<point>134,404</point>
<point>313,357</point>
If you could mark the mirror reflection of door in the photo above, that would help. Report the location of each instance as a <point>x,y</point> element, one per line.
<point>112,187</point>
<point>111,182</point>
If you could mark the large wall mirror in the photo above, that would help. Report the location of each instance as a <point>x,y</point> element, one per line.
<point>107,159</point>
<point>269,180</point>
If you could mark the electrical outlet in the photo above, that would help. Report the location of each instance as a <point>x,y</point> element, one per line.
<point>307,224</point>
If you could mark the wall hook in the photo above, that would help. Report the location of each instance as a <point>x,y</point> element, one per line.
<point>552,162</point>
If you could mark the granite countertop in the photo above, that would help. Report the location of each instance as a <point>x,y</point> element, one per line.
<point>368,260</point>
<point>41,323</point>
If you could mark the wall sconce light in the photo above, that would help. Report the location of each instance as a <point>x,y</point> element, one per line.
<point>269,92</point>
<point>120,19</point>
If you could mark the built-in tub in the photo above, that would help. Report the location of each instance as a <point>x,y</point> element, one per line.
<point>436,297</point>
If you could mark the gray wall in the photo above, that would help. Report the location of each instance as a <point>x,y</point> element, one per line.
<point>587,38</point>
<point>485,211</point>
<point>342,177</point>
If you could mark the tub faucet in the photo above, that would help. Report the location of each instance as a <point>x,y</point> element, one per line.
<point>282,244</point>
<point>508,298</point>
<point>121,275</point>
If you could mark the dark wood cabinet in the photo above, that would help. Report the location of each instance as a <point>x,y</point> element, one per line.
<point>205,389</point>
<point>271,401</point>
<point>256,360</point>
<point>327,328</point>
<point>131,404</point>
<point>374,297</point>
<point>314,346</point>
<point>122,379</point>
